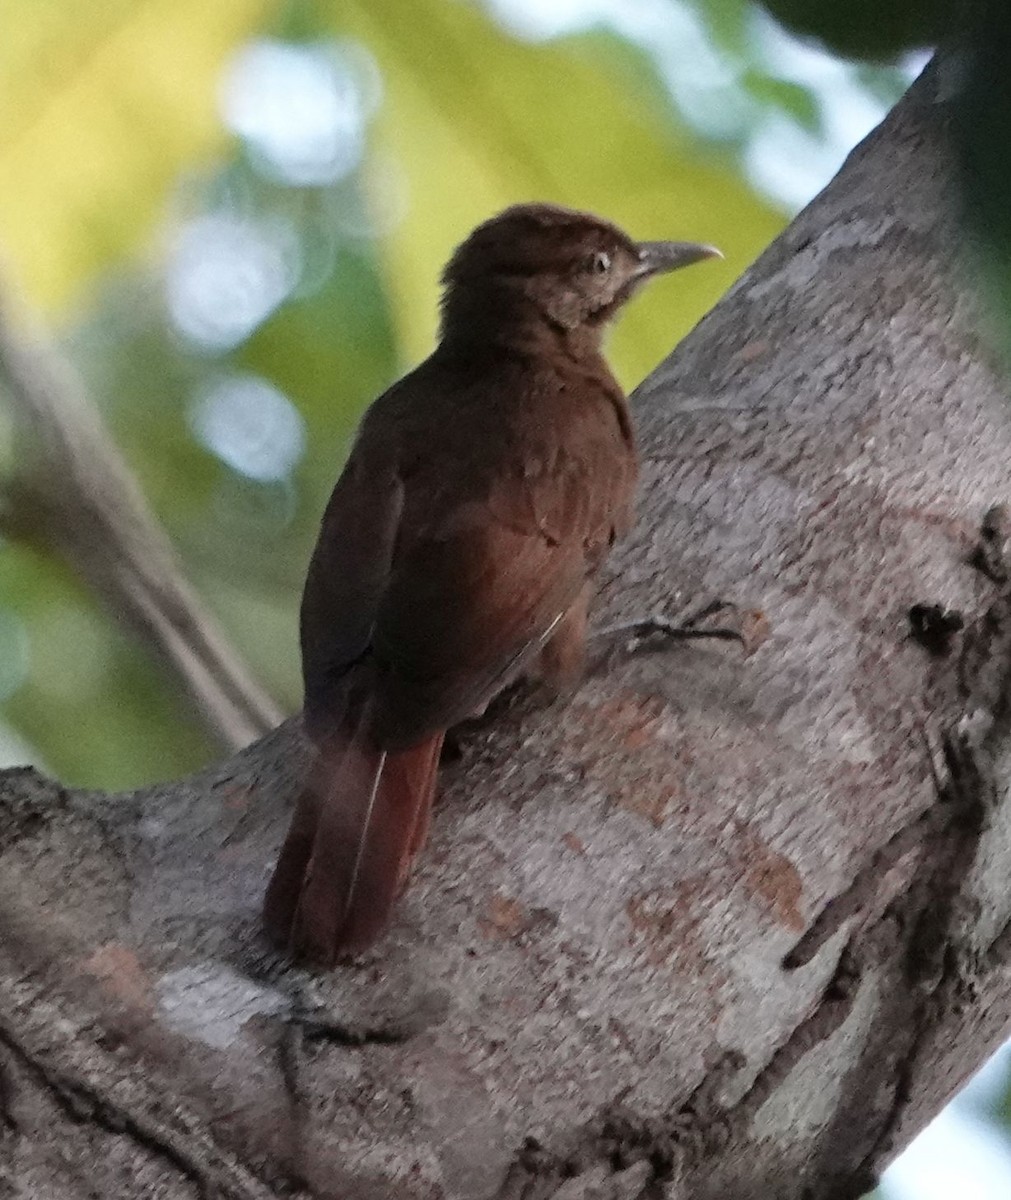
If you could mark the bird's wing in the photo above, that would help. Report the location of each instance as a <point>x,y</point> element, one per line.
<point>348,575</point>
<point>474,595</point>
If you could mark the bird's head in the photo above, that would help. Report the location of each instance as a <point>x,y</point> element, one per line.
<point>567,268</point>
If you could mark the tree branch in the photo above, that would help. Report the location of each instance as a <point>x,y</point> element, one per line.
<point>75,495</point>
<point>725,925</point>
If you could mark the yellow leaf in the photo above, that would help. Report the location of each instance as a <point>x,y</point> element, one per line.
<point>104,104</point>
<point>474,120</point>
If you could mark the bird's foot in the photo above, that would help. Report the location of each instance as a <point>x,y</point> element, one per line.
<point>749,627</point>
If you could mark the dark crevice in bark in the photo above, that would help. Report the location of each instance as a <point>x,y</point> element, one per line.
<point>84,1100</point>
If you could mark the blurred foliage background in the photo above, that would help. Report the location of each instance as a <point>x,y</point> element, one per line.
<point>232,215</point>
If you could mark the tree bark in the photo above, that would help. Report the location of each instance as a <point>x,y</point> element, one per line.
<point>725,924</point>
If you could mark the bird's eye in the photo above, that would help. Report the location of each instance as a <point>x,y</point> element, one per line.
<point>600,263</point>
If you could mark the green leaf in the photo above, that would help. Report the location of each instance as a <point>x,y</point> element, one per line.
<point>795,100</point>
<point>474,121</point>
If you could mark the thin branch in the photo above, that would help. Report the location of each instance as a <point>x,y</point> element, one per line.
<point>76,496</point>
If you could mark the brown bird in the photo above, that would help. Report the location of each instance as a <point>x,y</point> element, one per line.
<point>457,551</point>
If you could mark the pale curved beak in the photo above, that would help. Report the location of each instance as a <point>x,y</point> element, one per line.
<point>656,258</point>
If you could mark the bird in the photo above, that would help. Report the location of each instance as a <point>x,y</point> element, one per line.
<point>457,552</point>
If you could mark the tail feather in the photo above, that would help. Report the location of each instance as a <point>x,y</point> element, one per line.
<point>358,825</point>
<point>422,772</point>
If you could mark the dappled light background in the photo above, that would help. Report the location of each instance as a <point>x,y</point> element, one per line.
<point>232,215</point>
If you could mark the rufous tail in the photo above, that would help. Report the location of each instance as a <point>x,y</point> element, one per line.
<point>358,825</point>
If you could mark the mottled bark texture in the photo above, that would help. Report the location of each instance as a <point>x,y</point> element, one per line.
<point>728,923</point>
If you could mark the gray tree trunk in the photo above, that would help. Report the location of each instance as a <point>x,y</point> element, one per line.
<point>726,924</point>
